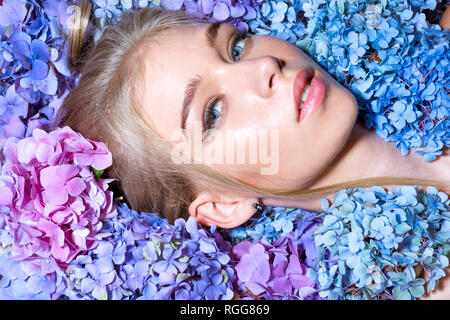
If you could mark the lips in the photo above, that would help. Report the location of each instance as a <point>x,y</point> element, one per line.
<point>315,97</point>
<point>316,93</point>
<point>300,81</point>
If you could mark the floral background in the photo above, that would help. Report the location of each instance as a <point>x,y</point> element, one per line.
<point>65,235</point>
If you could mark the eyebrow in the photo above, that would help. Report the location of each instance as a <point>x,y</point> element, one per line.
<point>194,83</point>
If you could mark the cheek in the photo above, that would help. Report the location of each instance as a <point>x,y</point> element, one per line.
<point>250,155</point>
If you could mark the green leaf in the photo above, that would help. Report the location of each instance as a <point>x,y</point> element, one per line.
<point>183,276</point>
<point>97,173</point>
<point>158,248</point>
<point>225,276</point>
<point>151,271</point>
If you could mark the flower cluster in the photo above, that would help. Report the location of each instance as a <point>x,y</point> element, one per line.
<point>277,222</point>
<point>141,256</point>
<point>272,224</point>
<point>52,204</point>
<point>19,284</point>
<point>33,64</point>
<point>144,257</point>
<point>235,12</point>
<point>366,245</point>
<point>216,10</point>
<point>273,271</point>
<point>371,241</point>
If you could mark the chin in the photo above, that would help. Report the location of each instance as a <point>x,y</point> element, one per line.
<point>344,115</point>
<point>338,113</point>
<point>342,103</point>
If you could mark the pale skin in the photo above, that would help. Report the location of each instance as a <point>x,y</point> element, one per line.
<point>329,147</point>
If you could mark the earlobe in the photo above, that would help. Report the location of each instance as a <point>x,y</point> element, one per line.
<point>224,212</point>
<point>209,212</point>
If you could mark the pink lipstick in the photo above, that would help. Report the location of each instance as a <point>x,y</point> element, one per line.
<point>315,97</point>
<point>300,81</point>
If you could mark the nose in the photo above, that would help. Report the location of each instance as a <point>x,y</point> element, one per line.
<point>262,74</point>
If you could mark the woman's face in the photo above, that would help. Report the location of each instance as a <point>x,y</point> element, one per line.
<point>249,90</point>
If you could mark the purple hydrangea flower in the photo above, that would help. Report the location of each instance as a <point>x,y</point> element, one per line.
<point>11,103</point>
<point>12,12</point>
<point>152,259</point>
<point>273,271</point>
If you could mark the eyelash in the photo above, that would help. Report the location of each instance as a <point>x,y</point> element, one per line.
<point>237,37</point>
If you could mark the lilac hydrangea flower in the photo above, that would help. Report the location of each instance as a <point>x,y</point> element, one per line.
<point>13,128</point>
<point>12,12</point>
<point>272,271</point>
<point>106,8</point>
<point>11,103</point>
<point>19,284</point>
<point>174,4</point>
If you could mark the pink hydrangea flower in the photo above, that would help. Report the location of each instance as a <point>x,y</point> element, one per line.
<point>56,204</point>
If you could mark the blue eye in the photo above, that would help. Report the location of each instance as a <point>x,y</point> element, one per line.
<point>213,113</point>
<point>240,36</point>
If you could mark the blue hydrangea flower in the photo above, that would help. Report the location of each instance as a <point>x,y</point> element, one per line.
<point>369,252</point>
<point>34,55</point>
<point>106,8</point>
<point>401,114</point>
<point>101,274</point>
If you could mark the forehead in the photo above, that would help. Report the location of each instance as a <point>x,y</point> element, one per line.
<point>170,62</point>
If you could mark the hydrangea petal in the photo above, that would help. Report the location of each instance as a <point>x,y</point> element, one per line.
<point>75,186</point>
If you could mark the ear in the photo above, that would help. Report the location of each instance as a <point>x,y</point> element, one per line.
<point>223,211</point>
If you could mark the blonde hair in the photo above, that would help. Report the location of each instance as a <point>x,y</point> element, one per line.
<point>104,106</point>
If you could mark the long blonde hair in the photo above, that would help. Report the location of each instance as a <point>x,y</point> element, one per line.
<point>104,106</point>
